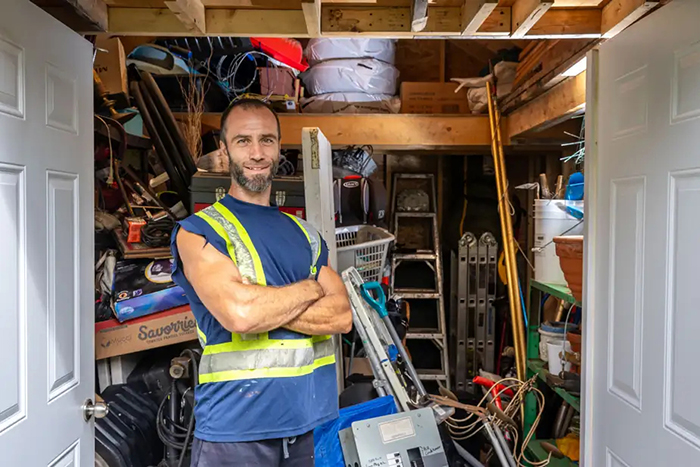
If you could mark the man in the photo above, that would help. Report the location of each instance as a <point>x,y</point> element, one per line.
<point>266,304</point>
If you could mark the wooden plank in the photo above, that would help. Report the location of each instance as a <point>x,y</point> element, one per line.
<point>475,13</point>
<point>190,13</point>
<point>312,17</point>
<point>79,15</point>
<point>560,102</point>
<point>558,60</point>
<point>235,23</point>
<point>497,24</point>
<point>397,132</point>
<point>568,22</point>
<point>526,13</point>
<point>618,14</point>
<point>395,22</point>
<point>577,3</point>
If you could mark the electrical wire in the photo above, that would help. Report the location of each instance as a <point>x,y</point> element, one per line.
<point>169,431</point>
<point>459,432</point>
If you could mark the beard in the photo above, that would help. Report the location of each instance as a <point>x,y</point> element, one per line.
<point>256,183</point>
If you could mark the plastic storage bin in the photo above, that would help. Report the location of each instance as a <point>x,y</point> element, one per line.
<point>365,247</point>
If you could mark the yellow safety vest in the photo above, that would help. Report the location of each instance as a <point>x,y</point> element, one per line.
<point>249,356</point>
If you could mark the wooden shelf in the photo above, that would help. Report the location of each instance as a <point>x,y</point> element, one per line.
<point>390,131</point>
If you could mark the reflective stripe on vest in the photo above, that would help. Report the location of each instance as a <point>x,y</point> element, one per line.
<point>256,355</point>
<point>313,239</point>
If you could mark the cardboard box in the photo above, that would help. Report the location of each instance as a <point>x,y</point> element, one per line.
<point>143,287</point>
<point>113,338</point>
<point>433,98</point>
<point>111,65</point>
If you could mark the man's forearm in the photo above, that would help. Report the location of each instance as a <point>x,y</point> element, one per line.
<point>258,309</point>
<point>329,315</point>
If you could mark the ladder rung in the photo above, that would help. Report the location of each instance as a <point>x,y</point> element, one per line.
<point>424,334</point>
<point>417,293</point>
<point>415,256</point>
<point>415,214</point>
<point>414,176</point>
<point>431,375</point>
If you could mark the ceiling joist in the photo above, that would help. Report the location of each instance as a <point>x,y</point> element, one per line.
<point>475,13</point>
<point>619,14</point>
<point>526,13</point>
<point>190,13</point>
<point>85,15</point>
<point>312,17</point>
<point>525,19</point>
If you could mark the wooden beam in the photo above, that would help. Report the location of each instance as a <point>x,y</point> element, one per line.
<point>312,17</point>
<point>526,13</point>
<point>219,22</point>
<point>395,132</point>
<point>559,59</point>
<point>190,13</point>
<point>497,24</point>
<point>388,21</point>
<point>474,13</point>
<point>618,14</point>
<point>568,23</point>
<point>558,103</point>
<point>79,15</point>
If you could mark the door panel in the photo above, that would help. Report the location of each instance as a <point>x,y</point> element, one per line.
<point>642,293</point>
<point>46,224</point>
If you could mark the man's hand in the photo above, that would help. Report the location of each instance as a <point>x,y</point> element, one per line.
<point>329,315</point>
<point>240,307</point>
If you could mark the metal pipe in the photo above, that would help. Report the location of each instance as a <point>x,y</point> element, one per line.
<point>466,455</point>
<point>507,232</point>
<point>497,448</point>
<point>559,420</point>
<point>504,444</point>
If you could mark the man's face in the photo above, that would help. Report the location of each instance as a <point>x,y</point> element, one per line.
<point>253,147</point>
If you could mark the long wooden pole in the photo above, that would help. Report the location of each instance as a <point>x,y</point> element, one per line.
<point>516,310</point>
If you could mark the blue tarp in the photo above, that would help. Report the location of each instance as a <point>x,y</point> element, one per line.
<point>327,451</point>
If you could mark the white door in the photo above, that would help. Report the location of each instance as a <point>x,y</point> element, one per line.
<point>46,240</point>
<point>643,255</point>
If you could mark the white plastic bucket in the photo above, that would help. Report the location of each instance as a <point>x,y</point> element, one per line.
<point>551,220</point>
<point>554,349</point>
<point>546,338</point>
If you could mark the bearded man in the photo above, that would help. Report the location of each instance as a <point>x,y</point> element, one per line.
<point>266,304</point>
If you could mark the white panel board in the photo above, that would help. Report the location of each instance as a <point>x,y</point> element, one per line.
<point>11,79</point>
<point>632,94</point>
<point>68,458</point>
<point>614,461</point>
<point>682,407</point>
<point>627,198</point>
<point>63,282</point>
<point>61,103</point>
<point>13,290</point>
<point>686,79</point>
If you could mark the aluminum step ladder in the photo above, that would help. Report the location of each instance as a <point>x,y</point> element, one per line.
<point>401,215</point>
<point>474,279</point>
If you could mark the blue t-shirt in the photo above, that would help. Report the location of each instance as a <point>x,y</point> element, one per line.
<point>261,408</point>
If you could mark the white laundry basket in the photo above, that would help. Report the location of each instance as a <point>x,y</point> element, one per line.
<point>365,247</point>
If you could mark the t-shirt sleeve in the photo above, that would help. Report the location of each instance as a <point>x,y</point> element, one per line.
<point>322,257</point>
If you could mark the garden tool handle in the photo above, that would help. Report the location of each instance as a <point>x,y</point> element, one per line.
<point>379,303</point>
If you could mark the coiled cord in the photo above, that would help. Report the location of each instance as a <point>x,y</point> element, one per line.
<point>156,234</point>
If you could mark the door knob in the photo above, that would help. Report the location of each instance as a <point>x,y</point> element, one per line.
<point>97,410</point>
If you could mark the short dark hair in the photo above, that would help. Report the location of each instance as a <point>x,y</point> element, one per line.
<point>246,104</point>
